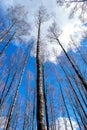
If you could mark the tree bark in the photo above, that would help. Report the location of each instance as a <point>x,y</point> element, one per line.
<point>73,66</point>
<point>45,99</point>
<point>7,44</point>
<point>16,93</point>
<point>40,96</point>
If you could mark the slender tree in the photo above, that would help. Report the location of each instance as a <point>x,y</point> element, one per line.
<point>77,5</point>
<point>72,88</point>
<point>73,108</point>
<point>16,93</point>
<point>19,29</point>
<point>54,36</point>
<point>41,17</point>
<point>45,98</point>
<point>65,105</point>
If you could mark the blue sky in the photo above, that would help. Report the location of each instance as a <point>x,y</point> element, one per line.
<point>70,27</point>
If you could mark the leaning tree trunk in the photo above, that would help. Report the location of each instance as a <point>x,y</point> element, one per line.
<point>64,102</point>
<point>16,93</point>
<point>4,88</point>
<point>40,96</point>
<point>73,66</point>
<point>68,93</point>
<point>7,44</point>
<point>7,32</point>
<point>71,86</point>
<point>5,94</point>
<point>66,108</point>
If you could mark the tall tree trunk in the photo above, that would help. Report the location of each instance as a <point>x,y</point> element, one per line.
<point>8,89</point>
<point>68,93</point>
<point>64,101</point>
<point>7,32</point>
<point>45,99</point>
<point>34,108</point>
<point>79,113</point>
<point>7,44</point>
<point>76,100</point>
<point>40,96</point>
<point>66,108</point>
<point>73,66</point>
<point>16,93</point>
<point>72,88</point>
<point>4,88</point>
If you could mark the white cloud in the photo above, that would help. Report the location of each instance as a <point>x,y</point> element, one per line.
<point>61,121</point>
<point>70,27</point>
<point>3,121</point>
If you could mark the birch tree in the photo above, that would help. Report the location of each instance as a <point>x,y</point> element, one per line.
<point>41,17</point>
<point>54,36</point>
<point>19,28</point>
<point>76,5</point>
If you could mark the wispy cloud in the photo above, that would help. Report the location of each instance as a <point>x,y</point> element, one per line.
<point>3,121</point>
<point>63,122</point>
